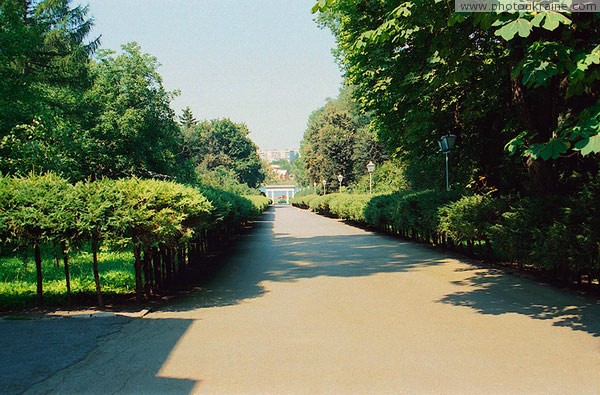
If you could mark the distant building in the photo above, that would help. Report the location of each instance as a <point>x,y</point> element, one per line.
<point>272,155</point>
<point>280,174</point>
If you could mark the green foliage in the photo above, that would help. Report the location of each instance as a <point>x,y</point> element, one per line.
<point>221,143</point>
<point>134,131</point>
<point>44,73</point>
<point>558,234</point>
<point>154,212</point>
<point>298,170</point>
<point>259,205</point>
<point>338,140</point>
<point>421,71</point>
<point>187,119</point>
<point>222,178</point>
<point>388,177</point>
<point>408,211</point>
<point>471,218</point>
<point>523,25</point>
<point>283,163</point>
<point>37,209</point>
<point>350,207</point>
<point>143,215</point>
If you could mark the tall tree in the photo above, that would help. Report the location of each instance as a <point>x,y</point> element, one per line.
<point>187,119</point>
<point>223,143</point>
<point>43,67</point>
<point>135,131</point>
<point>338,140</point>
<point>424,71</point>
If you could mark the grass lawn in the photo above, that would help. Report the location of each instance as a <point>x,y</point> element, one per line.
<point>18,278</point>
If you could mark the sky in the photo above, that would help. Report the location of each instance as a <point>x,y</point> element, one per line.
<point>264,63</point>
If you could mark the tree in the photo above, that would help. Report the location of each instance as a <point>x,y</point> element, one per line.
<point>187,119</point>
<point>423,71</point>
<point>44,72</point>
<point>38,210</point>
<point>299,172</point>
<point>224,144</point>
<point>338,140</point>
<point>283,163</point>
<point>135,132</point>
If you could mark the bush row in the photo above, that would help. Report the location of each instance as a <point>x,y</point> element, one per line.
<point>407,213</point>
<point>168,226</point>
<point>558,234</point>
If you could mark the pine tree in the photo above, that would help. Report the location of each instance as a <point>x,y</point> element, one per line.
<point>187,119</point>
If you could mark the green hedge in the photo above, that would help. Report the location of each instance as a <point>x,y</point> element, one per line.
<point>167,226</point>
<point>556,233</point>
<point>412,214</point>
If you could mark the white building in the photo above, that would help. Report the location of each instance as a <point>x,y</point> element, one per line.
<point>272,155</point>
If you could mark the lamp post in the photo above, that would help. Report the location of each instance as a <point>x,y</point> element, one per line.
<point>324,186</point>
<point>370,168</point>
<point>446,143</point>
<point>340,178</point>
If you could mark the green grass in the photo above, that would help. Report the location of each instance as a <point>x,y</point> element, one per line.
<point>18,278</point>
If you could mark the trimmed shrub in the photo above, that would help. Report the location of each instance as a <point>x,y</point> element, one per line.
<point>471,218</point>
<point>558,234</point>
<point>166,225</point>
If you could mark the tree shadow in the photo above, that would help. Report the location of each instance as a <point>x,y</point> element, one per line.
<point>33,351</point>
<point>499,293</point>
<point>264,255</point>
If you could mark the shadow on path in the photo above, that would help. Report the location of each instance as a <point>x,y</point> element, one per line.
<point>36,354</point>
<point>32,350</point>
<point>499,293</point>
<point>264,255</point>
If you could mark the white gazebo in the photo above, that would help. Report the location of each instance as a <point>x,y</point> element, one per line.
<point>275,192</point>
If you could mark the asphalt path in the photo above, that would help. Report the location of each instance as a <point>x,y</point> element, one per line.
<point>306,304</point>
<point>32,350</point>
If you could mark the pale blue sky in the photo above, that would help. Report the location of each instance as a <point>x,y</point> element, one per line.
<point>262,62</point>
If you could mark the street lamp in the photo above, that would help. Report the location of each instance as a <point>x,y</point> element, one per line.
<point>340,178</point>
<point>324,186</point>
<point>446,143</point>
<point>370,168</point>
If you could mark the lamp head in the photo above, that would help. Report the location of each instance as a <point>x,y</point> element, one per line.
<point>446,142</point>
<point>370,167</point>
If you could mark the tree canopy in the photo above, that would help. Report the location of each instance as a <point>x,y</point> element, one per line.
<point>44,71</point>
<point>527,83</point>
<point>135,132</point>
<point>338,140</point>
<point>224,144</point>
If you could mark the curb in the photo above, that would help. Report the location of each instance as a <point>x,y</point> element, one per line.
<point>105,314</point>
<point>65,314</point>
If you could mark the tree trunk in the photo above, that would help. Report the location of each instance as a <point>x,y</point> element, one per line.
<point>156,263</point>
<point>147,272</point>
<point>65,255</point>
<point>139,286</point>
<point>488,250</point>
<point>168,266</point>
<point>38,269</point>
<point>182,255</point>
<point>96,272</point>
